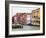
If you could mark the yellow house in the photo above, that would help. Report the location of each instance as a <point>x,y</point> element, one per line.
<point>36,16</point>
<point>36,12</point>
<point>39,12</point>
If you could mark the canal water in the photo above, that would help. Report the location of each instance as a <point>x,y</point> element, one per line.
<point>27,27</point>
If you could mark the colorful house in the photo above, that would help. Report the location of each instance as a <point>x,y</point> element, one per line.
<point>36,17</point>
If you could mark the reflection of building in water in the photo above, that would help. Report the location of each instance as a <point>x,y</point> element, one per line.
<point>36,17</point>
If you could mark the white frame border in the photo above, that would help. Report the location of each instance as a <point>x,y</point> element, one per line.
<point>26,32</point>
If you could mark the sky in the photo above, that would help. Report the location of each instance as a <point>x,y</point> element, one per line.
<point>22,9</point>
